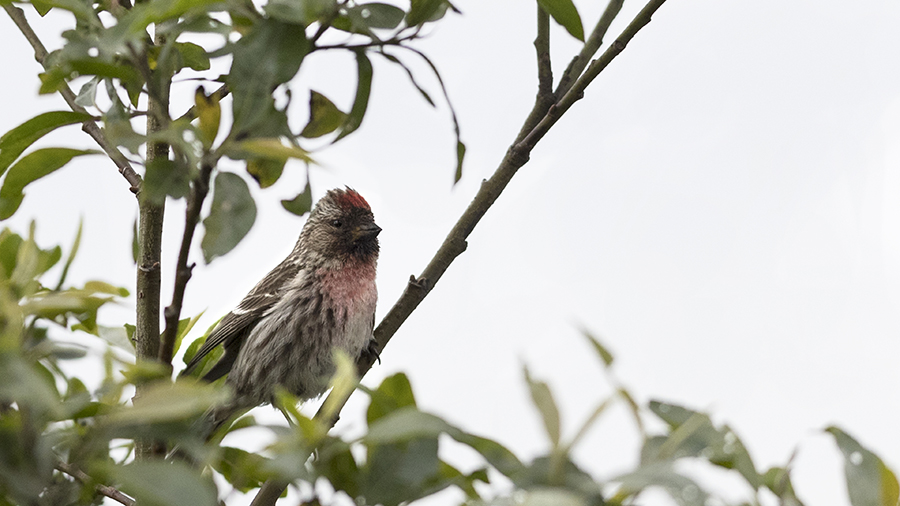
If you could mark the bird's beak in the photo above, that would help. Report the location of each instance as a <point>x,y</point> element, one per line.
<point>367,231</point>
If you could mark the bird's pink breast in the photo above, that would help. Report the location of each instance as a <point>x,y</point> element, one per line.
<point>351,287</point>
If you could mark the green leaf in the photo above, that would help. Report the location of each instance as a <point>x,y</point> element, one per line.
<point>363,89</point>
<point>375,15</point>
<point>324,116</point>
<point>302,13</point>
<point>269,148</point>
<point>460,156</point>
<point>601,350</point>
<point>166,402</point>
<point>869,481</point>
<point>165,177</point>
<point>93,287</point>
<point>184,327</point>
<point>194,56</point>
<point>778,480</point>
<point>496,454</point>
<point>29,168</point>
<point>543,401</point>
<point>87,96</point>
<point>301,204</point>
<point>209,115</point>
<point>684,490</point>
<point>72,252</point>
<point>266,171</point>
<point>269,55</point>
<point>404,425</point>
<point>231,216</point>
<point>243,470</point>
<point>14,142</point>
<point>565,13</point>
<point>393,393</point>
<point>422,11</point>
<point>164,483</point>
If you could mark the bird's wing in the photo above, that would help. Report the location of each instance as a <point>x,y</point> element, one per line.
<point>237,324</point>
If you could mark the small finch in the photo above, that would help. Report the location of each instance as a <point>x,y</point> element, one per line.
<point>320,298</point>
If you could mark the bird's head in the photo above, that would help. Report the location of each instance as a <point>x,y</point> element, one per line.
<point>342,227</point>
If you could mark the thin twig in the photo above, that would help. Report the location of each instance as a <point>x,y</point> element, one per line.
<point>215,96</point>
<point>590,48</point>
<point>105,490</point>
<point>544,98</point>
<point>455,242</point>
<point>90,127</point>
<point>199,190</point>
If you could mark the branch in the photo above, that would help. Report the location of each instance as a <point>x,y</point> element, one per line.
<point>455,243</point>
<point>106,490</point>
<point>590,48</point>
<point>90,127</point>
<point>544,98</point>
<point>217,95</point>
<point>199,190</point>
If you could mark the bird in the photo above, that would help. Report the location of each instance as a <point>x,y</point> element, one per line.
<point>320,298</point>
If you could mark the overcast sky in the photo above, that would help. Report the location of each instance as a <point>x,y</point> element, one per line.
<point>722,208</point>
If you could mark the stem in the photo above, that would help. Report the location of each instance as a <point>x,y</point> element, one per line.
<point>90,127</point>
<point>105,490</point>
<point>590,48</point>
<point>544,98</point>
<point>199,190</point>
<point>150,244</point>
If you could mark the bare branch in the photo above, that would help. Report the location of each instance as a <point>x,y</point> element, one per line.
<point>105,490</point>
<point>90,127</point>
<point>199,190</point>
<point>544,98</point>
<point>590,48</point>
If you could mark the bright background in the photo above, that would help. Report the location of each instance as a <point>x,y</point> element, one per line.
<point>722,208</point>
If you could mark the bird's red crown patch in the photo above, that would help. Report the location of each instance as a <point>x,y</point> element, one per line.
<point>348,198</point>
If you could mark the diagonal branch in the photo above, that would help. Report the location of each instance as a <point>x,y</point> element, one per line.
<point>544,98</point>
<point>105,490</point>
<point>199,190</point>
<point>590,48</point>
<point>90,127</point>
<point>455,243</point>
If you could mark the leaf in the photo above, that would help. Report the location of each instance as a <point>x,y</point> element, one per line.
<point>363,89</point>
<point>869,481</point>
<point>93,287</point>
<point>87,96</point>
<point>166,402</point>
<point>14,142</point>
<point>684,490</point>
<point>393,393</point>
<point>163,483</point>
<point>565,13</point>
<point>301,204</point>
<point>266,171</point>
<point>30,168</point>
<point>184,327</point>
<point>404,425</point>
<point>460,156</point>
<point>72,252</point>
<point>209,115</point>
<point>231,216</point>
<point>343,382</point>
<point>165,177</point>
<point>601,350</point>
<point>324,116</point>
<point>362,18</point>
<point>194,56</point>
<point>778,480</point>
<point>243,470</point>
<point>543,401</point>
<point>422,11</point>
<point>269,148</point>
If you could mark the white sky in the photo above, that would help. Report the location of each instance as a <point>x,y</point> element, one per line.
<point>723,208</point>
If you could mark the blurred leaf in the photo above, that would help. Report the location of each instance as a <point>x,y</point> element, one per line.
<point>591,420</point>
<point>343,383</point>
<point>377,15</point>
<point>67,351</point>
<point>303,13</point>
<point>601,350</point>
<point>301,204</point>
<point>869,481</point>
<point>209,115</point>
<point>393,393</point>
<point>269,55</point>
<point>684,490</point>
<point>405,424</point>
<point>87,96</point>
<point>778,480</point>
<point>265,171</point>
<point>165,402</point>
<point>421,11</point>
<point>363,89</point>
<point>165,177</point>
<point>399,473</point>
<point>30,168</point>
<point>230,218</point>
<point>565,13</point>
<point>9,251</point>
<point>194,56</point>
<point>103,287</point>
<point>546,405</point>
<point>117,336</point>
<point>551,497</point>
<point>184,327</point>
<point>493,452</point>
<point>72,252</point>
<point>324,116</point>
<point>164,483</point>
<point>14,142</point>
<point>268,148</point>
<point>242,469</point>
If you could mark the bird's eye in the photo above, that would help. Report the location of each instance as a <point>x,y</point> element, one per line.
<point>336,223</point>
